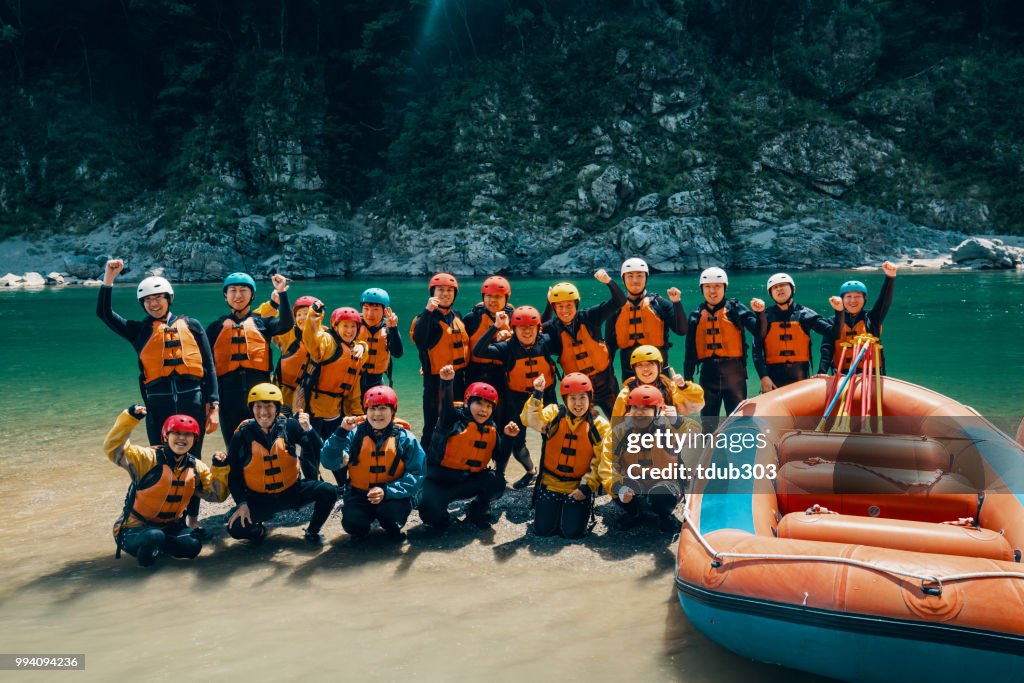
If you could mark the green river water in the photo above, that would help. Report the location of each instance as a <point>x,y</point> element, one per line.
<point>464,612</point>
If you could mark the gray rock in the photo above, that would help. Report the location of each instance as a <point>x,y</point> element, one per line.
<point>609,190</point>
<point>12,280</point>
<point>55,278</point>
<point>33,279</point>
<point>674,244</point>
<point>649,202</point>
<point>82,266</point>
<point>981,253</point>
<point>699,202</point>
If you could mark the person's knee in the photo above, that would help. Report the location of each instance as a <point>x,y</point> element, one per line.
<point>186,547</point>
<point>434,512</point>
<point>355,524</point>
<point>239,530</point>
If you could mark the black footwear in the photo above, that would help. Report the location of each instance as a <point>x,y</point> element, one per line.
<point>628,522</point>
<point>524,481</point>
<point>259,532</point>
<point>479,515</point>
<point>200,532</point>
<point>313,537</point>
<point>147,555</point>
<point>394,534</point>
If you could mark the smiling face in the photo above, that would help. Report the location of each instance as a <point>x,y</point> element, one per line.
<point>180,443</point>
<point>238,297</point>
<point>578,404</point>
<point>495,302</point>
<point>480,409</point>
<point>445,294</point>
<point>265,412</point>
<point>714,292</point>
<point>156,305</point>
<point>647,371</point>
<point>347,330</point>
<point>527,334</point>
<point>379,416</point>
<point>853,302</point>
<point>781,293</point>
<point>635,282</point>
<point>565,310</point>
<point>373,314</point>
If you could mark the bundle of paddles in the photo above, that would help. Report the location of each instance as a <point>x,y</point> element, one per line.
<point>326,408</point>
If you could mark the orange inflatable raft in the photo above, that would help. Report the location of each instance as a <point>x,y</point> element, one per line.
<point>875,549</point>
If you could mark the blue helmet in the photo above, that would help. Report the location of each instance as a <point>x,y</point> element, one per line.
<point>243,279</point>
<point>853,286</point>
<point>375,295</point>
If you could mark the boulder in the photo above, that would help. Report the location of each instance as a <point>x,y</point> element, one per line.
<point>33,279</point>
<point>981,253</point>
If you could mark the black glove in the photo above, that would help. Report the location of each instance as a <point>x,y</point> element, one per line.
<point>135,411</point>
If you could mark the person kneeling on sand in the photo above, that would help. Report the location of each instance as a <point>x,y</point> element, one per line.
<point>264,477</point>
<point>165,478</point>
<point>385,466</point>
<point>464,442</point>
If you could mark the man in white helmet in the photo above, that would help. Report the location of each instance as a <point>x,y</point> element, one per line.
<point>176,370</point>
<point>645,319</point>
<point>717,346</point>
<point>782,355</point>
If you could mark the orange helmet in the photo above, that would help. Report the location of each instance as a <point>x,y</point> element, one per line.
<point>443,280</point>
<point>496,284</point>
<point>645,395</point>
<point>576,383</point>
<point>344,313</point>
<point>525,315</point>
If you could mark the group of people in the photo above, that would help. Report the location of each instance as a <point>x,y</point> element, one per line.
<point>326,404</point>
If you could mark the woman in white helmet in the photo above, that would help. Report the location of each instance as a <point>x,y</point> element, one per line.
<point>782,355</point>
<point>645,318</point>
<point>717,346</point>
<point>176,370</point>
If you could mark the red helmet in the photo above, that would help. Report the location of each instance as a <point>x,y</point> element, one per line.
<point>496,284</point>
<point>645,395</point>
<point>344,313</point>
<point>305,302</point>
<point>481,390</point>
<point>380,396</point>
<point>525,315</point>
<point>576,383</point>
<point>443,280</point>
<point>179,423</point>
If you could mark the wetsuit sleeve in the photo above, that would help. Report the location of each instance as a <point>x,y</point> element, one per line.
<point>828,344</point>
<point>757,348</point>
<point>408,485</point>
<point>678,323</point>
<point>606,310</point>
<point>214,482</point>
<point>275,323</point>
<point>592,479</point>
<point>815,322</point>
<point>318,343</point>
<point>210,387</point>
<point>747,318</point>
<point>236,479</point>
<point>334,454</point>
<point>485,349</point>
<point>137,460</point>
<point>426,331</point>
<point>881,307</point>
<point>536,415</point>
<point>308,440</point>
<point>447,418</point>
<point>105,312</point>
<point>690,360</point>
<point>395,346</point>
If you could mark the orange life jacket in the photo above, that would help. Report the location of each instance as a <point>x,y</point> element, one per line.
<point>786,342</point>
<point>525,370</point>
<point>377,355</point>
<point>638,324</point>
<point>292,363</point>
<point>469,446</point>
<point>451,349</point>
<point>171,350</point>
<point>569,451</point>
<point>846,334</point>
<point>272,471</point>
<point>162,494</point>
<point>373,465</point>
<point>583,353</point>
<point>486,321</point>
<point>717,337</point>
<point>332,380</point>
<point>240,345</point>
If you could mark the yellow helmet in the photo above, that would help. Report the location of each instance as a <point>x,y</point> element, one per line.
<point>563,291</point>
<point>265,392</point>
<point>645,353</point>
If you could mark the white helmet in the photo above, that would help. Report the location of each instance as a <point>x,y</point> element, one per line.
<point>154,285</point>
<point>713,276</point>
<point>780,279</point>
<point>634,265</point>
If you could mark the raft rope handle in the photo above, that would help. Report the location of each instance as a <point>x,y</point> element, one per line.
<point>718,556</point>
